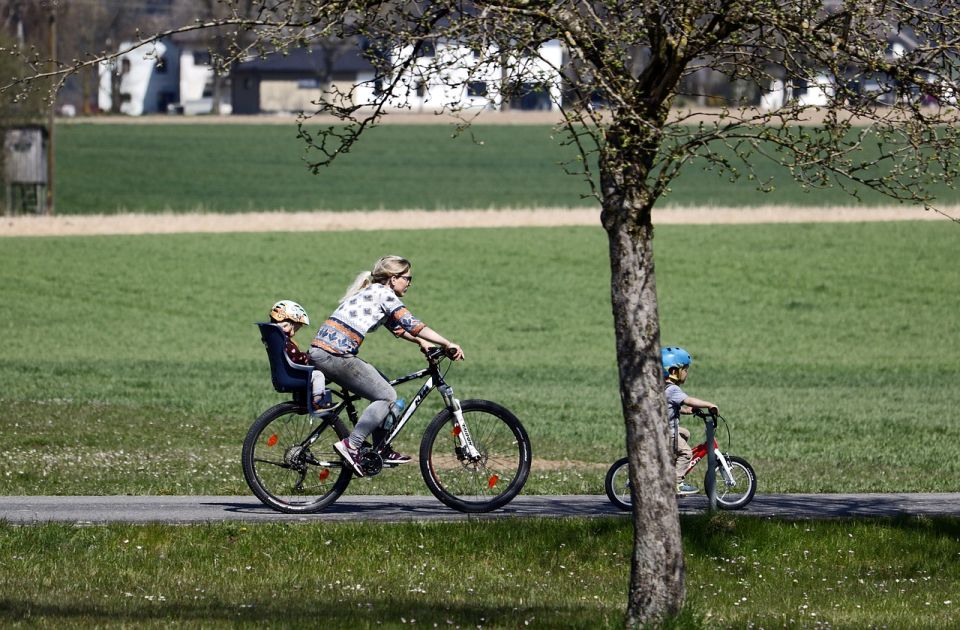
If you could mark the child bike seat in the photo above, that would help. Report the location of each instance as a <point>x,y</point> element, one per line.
<point>287,376</point>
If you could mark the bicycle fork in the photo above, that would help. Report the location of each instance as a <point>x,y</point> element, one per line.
<point>725,470</point>
<point>460,430</point>
<point>700,452</point>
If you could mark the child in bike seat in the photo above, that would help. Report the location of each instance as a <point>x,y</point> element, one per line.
<point>676,366</point>
<point>290,316</point>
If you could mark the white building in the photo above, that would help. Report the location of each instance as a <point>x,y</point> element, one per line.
<point>157,78</point>
<point>149,78</point>
<point>468,78</point>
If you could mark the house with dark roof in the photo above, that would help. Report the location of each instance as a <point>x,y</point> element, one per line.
<point>292,81</point>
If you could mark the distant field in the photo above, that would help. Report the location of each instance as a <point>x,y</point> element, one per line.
<point>131,363</point>
<point>109,168</point>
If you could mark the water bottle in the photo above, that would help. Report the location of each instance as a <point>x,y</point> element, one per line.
<point>396,410</point>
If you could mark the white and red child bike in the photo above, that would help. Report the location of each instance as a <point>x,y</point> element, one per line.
<point>735,484</point>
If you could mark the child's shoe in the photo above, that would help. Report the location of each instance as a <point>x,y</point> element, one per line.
<point>323,401</point>
<point>684,489</point>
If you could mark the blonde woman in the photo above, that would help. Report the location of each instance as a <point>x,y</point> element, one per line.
<point>373,299</point>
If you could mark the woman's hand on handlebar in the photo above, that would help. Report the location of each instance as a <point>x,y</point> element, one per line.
<point>453,351</point>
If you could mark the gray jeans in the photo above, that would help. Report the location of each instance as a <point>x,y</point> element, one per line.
<point>362,379</point>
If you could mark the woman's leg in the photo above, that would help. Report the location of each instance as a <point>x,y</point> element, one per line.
<point>363,379</point>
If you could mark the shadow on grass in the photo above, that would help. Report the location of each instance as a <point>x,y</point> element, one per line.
<point>711,534</point>
<point>342,613</point>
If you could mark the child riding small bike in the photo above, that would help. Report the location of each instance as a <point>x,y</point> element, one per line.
<point>676,367</point>
<point>732,478</point>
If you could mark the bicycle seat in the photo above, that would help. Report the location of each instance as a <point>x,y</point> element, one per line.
<point>287,376</point>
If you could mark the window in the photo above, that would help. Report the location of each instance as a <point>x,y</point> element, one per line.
<point>428,49</point>
<point>201,58</point>
<point>477,88</point>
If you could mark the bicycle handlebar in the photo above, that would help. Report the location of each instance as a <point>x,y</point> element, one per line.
<point>436,353</point>
<point>708,416</point>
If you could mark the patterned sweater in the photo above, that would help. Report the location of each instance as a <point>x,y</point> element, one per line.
<point>361,313</point>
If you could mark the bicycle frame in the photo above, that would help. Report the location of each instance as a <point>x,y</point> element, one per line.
<point>700,452</point>
<point>434,381</point>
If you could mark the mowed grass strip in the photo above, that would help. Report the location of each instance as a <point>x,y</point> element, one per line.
<point>104,169</point>
<point>741,572</point>
<point>131,364</point>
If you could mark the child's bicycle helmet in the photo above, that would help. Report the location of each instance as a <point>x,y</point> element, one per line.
<point>673,357</point>
<point>287,310</point>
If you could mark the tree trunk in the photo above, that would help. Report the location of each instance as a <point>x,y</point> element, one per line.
<point>657,570</point>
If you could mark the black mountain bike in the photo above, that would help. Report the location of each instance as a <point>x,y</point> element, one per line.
<point>474,455</point>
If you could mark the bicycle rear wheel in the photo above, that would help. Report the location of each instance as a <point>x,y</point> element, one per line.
<point>742,486</point>
<point>487,482</point>
<point>617,484</point>
<point>286,475</point>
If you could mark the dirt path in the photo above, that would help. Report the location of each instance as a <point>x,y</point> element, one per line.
<point>418,219</point>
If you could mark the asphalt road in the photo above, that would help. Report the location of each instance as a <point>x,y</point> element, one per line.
<point>27,510</point>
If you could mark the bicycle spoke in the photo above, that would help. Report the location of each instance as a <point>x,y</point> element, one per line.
<point>285,474</point>
<point>490,478</point>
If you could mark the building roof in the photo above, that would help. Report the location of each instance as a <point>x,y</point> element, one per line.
<point>308,61</point>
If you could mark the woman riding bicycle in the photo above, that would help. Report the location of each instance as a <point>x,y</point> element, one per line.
<point>373,299</point>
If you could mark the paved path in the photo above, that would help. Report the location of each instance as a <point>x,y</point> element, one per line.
<point>27,510</point>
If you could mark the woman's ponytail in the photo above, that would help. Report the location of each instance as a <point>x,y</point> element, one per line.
<point>361,282</point>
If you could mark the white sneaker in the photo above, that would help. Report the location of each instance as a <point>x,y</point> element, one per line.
<point>349,455</point>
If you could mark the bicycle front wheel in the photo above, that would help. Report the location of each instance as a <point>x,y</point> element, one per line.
<point>738,490</point>
<point>489,479</point>
<point>617,484</point>
<point>283,472</point>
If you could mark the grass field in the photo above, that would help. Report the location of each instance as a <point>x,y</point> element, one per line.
<point>107,168</point>
<point>741,572</point>
<point>131,365</point>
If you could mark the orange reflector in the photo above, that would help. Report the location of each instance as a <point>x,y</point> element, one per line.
<point>492,481</point>
<point>272,441</point>
<point>324,474</point>
<point>456,430</point>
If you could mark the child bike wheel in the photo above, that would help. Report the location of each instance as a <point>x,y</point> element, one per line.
<point>286,476</point>
<point>617,484</point>
<point>488,482</point>
<point>744,484</point>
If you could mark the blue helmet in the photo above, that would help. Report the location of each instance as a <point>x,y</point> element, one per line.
<point>674,357</point>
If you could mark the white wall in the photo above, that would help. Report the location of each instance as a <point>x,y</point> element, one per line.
<point>140,79</point>
<point>461,67</point>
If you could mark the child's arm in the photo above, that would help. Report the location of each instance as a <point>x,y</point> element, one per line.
<point>690,403</point>
<point>296,355</point>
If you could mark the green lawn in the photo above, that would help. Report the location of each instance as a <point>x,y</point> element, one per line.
<point>131,364</point>
<point>551,573</point>
<point>104,168</point>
